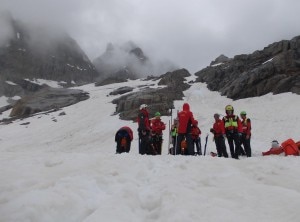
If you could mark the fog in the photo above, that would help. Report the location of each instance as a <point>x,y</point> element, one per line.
<point>189,33</point>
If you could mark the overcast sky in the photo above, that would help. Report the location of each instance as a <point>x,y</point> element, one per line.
<point>191,33</point>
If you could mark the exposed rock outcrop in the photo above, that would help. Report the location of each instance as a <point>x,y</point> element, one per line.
<point>158,99</point>
<point>47,99</point>
<point>274,69</point>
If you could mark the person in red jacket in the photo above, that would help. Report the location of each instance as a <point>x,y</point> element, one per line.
<point>233,130</point>
<point>157,126</point>
<point>123,138</point>
<point>276,149</point>
<point>219,136</point>
<point>196,132</point>
<point>185,122</point>
<point>288,147</point>
<point>246,134</point>
<point>143,129</point>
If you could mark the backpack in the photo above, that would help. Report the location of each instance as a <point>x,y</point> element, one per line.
<point>123,142</point>
<point>290,147</point>
<point>183,146</point>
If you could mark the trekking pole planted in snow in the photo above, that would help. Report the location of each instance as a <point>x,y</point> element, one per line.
<point>170,134</point>
<point>206,138</point>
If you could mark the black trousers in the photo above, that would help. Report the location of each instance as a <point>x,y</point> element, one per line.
<point>234,144</point>
<point>156,143</point>
<point>220,146</point>
<point>144,142</point>
<point>246,144</point>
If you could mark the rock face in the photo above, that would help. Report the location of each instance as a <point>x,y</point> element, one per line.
<point>32,53</point>
<point>119,63</point>
<point>157,99</point>
<point>47,99</point>
<point>274,69</point>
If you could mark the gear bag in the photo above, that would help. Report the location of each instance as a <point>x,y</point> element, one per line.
<point>183,146</point>
<point>123,142</point>
<point>290,147</point>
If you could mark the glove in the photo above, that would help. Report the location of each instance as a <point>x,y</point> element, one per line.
<point>240,134</point>
<point>224,136</point>
<point>212,130</point>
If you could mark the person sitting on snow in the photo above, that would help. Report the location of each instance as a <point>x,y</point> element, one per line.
<point>289,147</point>
<point>123,138</point>
<point>276,149</point>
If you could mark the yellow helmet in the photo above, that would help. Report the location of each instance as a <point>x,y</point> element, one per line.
<point>229,108</point>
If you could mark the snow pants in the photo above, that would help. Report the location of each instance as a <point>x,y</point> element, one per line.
<point>197,142</point>
<point>234,143</point>
<point>246,144</point>
<point>220,146</point>
<point>144,142</point>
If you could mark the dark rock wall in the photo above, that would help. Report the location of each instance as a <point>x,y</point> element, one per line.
<point>274,69</point>
<point>160,99</point>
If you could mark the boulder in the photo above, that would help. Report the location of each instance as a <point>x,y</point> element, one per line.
<point>47,99</point>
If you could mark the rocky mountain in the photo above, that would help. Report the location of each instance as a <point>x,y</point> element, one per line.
<point>35,53</point>
<point>29,53</point>
<point>128,61</point>
<point>275,69</point>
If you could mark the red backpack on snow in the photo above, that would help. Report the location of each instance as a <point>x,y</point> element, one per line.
<point>290,147</point>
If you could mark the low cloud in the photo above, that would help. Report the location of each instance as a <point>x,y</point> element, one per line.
<point>189,33</point>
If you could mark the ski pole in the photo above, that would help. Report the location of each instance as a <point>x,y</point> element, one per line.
<point>206,138</point>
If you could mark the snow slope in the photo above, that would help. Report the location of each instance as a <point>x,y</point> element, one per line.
<point>63,167</point>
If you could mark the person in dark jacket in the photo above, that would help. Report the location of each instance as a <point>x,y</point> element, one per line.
<point>123,138</point>
<point>219,136</point>
<point>185,122</point>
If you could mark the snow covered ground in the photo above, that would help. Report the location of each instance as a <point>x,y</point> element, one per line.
<point>63,167</point>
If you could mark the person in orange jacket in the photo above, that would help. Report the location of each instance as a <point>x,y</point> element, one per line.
<point>233,130</point>
<point>246,134</point>
<point>196,132</point>
<point>185,121</point>
<point>219,136</point>
<point>157,126</point>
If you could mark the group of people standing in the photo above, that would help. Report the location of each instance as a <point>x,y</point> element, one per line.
<point>236,130</point>
<point>185,134</point>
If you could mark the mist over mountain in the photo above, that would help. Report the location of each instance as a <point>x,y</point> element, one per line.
<point>34,52</point>
<point>130,61</point>
<point>31,54</point>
